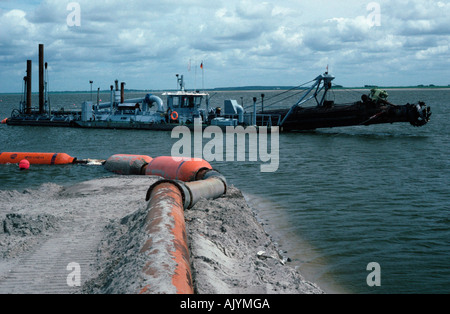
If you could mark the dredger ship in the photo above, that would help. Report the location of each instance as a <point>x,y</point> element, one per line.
<point>183,107</point>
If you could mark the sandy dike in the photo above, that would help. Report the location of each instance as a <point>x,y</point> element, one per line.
<point>97,224</point>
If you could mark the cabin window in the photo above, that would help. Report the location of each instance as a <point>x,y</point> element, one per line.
<point>184,101</point>
<point>191,101</point>
<point>174,102</point>
<point>188,102</point>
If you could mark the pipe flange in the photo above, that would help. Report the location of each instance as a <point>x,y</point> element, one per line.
<point>185,193</point>
<point>213,173</point>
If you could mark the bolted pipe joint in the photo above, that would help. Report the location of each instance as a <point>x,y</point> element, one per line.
<point>212,173</point>
<point>212,186</point>
<point>182,188</point>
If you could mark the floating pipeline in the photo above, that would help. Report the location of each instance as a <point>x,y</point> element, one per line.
<point>46,159</point>
<point>201,180</point>
<point>183,169</point>
<point>37,158</point>
<point>177,168</point>
<point>127,164</point>
<point>174,168</point>
<point>196,172</point>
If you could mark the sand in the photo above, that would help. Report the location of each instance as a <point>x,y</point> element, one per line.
<point>84,238</point>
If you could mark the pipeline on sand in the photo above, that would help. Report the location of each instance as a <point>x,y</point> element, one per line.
<point>185,181</point>
<point>169,259</point>
<point>168,265</point>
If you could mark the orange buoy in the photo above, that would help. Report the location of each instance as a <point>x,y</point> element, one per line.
<point>24,164</point>
<point>37,158</point>
<point>176,168</point>
<point>174,115</point>
<point>127,164</point>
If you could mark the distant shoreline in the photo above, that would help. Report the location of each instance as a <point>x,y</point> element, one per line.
<point>260,89</point>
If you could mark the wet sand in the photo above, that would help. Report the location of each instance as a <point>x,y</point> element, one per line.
<point>97,225</point>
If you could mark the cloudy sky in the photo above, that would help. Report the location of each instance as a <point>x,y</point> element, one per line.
<point>241,43</point>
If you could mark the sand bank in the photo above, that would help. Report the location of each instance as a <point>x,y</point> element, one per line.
<point>97,225</point>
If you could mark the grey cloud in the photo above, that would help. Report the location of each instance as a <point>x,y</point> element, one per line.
<point>276,38</point>
<point>48,12</point>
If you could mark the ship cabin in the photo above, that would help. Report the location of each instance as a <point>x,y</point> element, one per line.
<point>185,106</point>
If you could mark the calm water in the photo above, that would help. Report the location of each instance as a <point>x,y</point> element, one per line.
<point>341,198</point>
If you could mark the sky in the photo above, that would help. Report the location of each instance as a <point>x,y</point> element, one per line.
<point>240,43</point>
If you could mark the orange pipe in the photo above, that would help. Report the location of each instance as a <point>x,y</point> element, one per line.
<point>4,121</point>
<point>168,270</point>
<point>127,164</point>
<point>177,168</point>
<point>37,158</point>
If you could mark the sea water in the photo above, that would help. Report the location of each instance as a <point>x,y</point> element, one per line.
<point>342,198</point>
